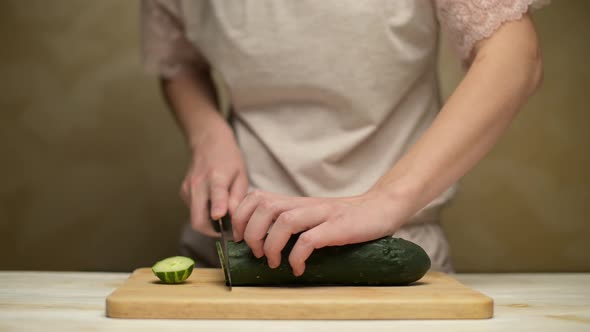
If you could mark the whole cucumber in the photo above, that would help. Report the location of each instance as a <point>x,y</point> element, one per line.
<point>384,262</point>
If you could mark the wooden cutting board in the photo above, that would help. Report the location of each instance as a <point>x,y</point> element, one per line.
<point>205,296</point>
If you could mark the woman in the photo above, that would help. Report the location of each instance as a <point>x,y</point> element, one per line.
<point>336,118</point>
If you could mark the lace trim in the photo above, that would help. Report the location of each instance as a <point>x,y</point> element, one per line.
<point>166,51</point>
<point>471,21</point>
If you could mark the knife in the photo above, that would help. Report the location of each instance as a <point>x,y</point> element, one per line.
<point>222,246</point>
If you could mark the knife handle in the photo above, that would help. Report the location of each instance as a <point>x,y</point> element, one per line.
<point>215,225</point>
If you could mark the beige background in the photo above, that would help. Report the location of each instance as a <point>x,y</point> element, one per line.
<point>91,160</point>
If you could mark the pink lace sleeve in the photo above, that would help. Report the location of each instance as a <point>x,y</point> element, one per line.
<point>469,21</point>
<point>166,51</point>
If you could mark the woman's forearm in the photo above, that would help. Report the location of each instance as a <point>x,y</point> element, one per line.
<point>506,70</point>
<point>191,98</point>
<point>216,173</point>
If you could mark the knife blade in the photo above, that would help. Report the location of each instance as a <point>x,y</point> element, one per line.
<point>221,245</point>
<point>224,240</point>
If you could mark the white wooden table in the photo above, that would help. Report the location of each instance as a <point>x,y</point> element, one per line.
<point>42,301</point>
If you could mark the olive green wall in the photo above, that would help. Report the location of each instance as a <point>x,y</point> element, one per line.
<point>91,161</point>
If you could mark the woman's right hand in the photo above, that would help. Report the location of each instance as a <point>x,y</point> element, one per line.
<point>217,173</point>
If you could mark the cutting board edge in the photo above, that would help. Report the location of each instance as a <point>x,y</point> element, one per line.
<point>481,308</point>
<point>123,310</point>
<point>118,306</point>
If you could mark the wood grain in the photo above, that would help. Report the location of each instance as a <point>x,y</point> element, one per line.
<point>204,296</point>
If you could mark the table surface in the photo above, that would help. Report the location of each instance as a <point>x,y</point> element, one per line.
<point>35,301</point>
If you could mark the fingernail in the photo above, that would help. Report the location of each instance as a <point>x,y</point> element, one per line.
<point>272,265</point>
<point>236,237</point>
<point>298,273</point>
<point>216,212</point>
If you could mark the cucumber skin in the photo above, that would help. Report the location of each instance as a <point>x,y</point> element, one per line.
<point>174,277</point>
<point>384,262</point>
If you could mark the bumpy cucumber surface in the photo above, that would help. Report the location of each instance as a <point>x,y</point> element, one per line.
<point>383,262</point>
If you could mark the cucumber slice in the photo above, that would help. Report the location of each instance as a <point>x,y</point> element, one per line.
<point>173,270</point>
<point>222,262</point>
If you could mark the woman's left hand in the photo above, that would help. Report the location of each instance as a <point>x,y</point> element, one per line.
<point>322,222</point>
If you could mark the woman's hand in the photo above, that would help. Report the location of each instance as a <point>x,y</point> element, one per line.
<point>323,221</point>
<point>217,173</point>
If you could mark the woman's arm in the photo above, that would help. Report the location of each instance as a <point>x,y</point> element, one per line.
<point>217,172</point>
<point>191,98</point>
<point>506,70</point>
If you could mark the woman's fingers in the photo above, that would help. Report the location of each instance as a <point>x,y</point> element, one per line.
<point>323,235</point>
<point>199,210</point>
<point>219,194</point>
<point>255,215</point>
<point>289,223</point>
<point>238,191</point>
<point>258,225</point>
<point>185,193</point>
<point>243,213</point>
